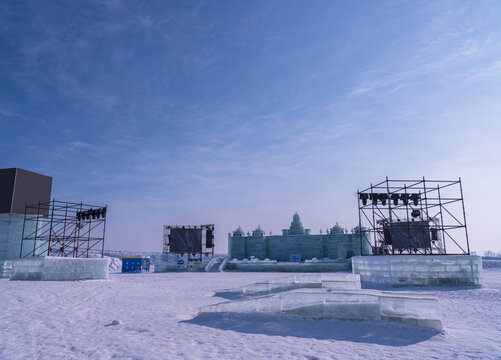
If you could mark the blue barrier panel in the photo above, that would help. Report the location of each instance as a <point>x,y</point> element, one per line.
<point>135,264</point>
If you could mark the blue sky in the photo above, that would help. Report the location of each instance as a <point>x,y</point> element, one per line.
<point>243,112</point>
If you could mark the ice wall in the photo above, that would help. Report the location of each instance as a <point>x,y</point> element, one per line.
<point>60,268</point>
<point>277,266</point>
<point>5,268</point>
<point>189,266</point>
<point>408,270</point>
<point>11,233</point>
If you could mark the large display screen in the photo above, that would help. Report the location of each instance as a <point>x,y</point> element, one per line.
<point>186,241</point>
<point>408,234</point>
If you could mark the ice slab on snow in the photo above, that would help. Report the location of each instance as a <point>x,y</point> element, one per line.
<point>60,268</point>
<point>332,281</point>
<point>419,309</point>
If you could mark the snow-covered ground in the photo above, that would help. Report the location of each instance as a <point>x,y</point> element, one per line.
<point>154,316</point>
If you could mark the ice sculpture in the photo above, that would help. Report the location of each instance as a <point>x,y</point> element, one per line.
<point>419,309</point>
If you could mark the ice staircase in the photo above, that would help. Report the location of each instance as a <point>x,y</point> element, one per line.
<point>213,265</point>
<point>340,281</point>
<point>337,296</point>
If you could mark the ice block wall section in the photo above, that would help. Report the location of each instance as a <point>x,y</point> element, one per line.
<point>56,268</point>
<point>411,270</point>
<point>11,233</point>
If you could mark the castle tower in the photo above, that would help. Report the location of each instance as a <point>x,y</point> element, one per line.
<point>296,227</point>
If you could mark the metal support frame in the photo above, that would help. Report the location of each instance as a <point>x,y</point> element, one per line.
<point>65,232</point>
<point>191,257</point>
<point>443,214</point>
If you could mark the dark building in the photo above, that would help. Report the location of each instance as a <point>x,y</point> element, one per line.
<point>19,187</point>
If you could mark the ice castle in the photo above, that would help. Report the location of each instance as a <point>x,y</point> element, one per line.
<point>297,244</point>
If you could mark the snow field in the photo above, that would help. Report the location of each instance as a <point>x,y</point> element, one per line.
<point>154,316</point>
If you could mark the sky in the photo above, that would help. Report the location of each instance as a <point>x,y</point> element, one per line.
<point>244,112</point>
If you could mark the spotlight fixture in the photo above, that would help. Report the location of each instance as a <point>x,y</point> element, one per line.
<point>405,198</point>
<point>415,198</point>
<point>373,197</point>
<point>415,213</point>
<point>395,198</point>
<point>363,197</point>
<point>383,197</point>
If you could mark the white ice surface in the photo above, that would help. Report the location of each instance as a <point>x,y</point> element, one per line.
<point>153,316</point>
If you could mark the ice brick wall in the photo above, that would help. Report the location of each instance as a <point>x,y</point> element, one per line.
<point>419,269</point>
<point>236,247</point>
<point>5,268</point>
<point>284,266</point>
<point>60,268</point>
<point>191,266</point>
<point>255,246</point>
<point>11,233</point>
<point>308,246</point>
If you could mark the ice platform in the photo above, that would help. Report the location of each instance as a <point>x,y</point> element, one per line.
<point>339,281</point>
<point>191,266</point>
<point>418,309</point>
<point>419,270</point>
<point>282,266</point>
<point>60,268</point>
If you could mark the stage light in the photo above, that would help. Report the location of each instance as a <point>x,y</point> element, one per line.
<point>79,216</point>
<point>415,213</point>
<point>395,198</point>
<point>415,198</point>
<point>93,213</point>
<point>373,198</point>
<point>103,212</point>
<point>87,215</point>
<point>383,197</point>
<point>405,198</point>
<point>363,197</point>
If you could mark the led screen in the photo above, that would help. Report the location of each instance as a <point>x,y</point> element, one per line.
<point>408,234</point>
<point>186,241</point>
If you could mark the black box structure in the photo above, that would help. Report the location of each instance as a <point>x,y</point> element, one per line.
<point>20,187</point>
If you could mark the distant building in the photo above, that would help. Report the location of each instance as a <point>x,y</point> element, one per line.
<point>297,242</point>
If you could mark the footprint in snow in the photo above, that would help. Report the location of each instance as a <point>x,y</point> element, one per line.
<point>113,323</point>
